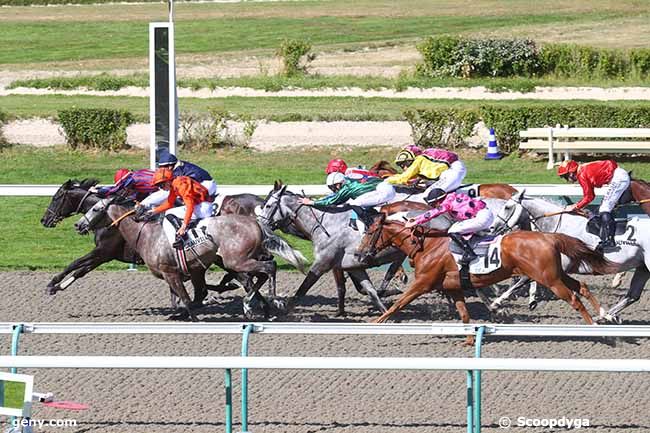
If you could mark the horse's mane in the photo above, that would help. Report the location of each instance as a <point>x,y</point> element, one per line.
<point>86,183</point>
<point>383,165</point>
<point>641,181</point>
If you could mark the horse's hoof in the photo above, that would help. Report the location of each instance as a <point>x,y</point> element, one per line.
<point>611,318</point>
<point>179,317</point>
<point>340,313</point>
<point>532,305</point>
<point>51,290</point>
<point>279,304</point>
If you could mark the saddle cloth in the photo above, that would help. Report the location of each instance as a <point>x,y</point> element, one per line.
<point>488,250</point>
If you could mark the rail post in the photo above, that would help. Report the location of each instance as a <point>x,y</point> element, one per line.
<point>470,403</point>
<point>15,337</point>
<point>480,331</point>
<point>244,379</point>
<point>228,386</point>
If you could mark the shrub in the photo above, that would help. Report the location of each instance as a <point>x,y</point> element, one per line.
<point>455,57</point>
<point>429,125</point>
<point>215,130</point>
<point>291,52</point>
<point>98,128</point>
<point>447,128</point>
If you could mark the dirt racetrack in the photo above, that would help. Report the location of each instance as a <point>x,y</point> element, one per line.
<point>125,401</point>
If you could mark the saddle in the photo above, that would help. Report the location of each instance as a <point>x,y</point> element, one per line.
<point>618,227</point>
<point>479,242</point>
<point>191,234</point>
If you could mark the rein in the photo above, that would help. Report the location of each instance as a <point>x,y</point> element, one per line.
<point>117,221</point>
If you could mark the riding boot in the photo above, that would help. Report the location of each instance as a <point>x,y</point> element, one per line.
<point>468,254</point>
<point>606,234</point>
<point>176,223</point>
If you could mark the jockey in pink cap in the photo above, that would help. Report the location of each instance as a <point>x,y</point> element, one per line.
<point>471,215</point>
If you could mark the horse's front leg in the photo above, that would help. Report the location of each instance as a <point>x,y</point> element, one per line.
<point>176,285</point>
<point>392,271</point>
<point>339,279</point>
<point>364,285</point>
<point>82,266</point>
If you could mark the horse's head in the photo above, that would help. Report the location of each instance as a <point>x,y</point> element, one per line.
<point>97,216</point>
<point>68,200</point>
<point>372,241</point>
<point>275,211</point>
<point>383,169</point>
<point>510,215</point>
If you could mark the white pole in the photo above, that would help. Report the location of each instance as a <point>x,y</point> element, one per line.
<point>173,100</point>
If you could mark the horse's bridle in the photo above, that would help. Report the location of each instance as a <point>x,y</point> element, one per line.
<point>290,218</point>
<point>373,249</point>
<point>57,212</point>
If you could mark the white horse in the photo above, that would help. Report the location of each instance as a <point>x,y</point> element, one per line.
<point>632,249</point>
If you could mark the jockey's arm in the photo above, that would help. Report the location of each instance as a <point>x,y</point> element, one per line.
<point>410,173</point>
<point>340,197</point>
<point>429,215</point>
<point>587,191</point>
<point>167,204</point>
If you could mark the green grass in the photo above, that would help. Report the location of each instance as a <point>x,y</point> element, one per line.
<point>270,108</point>
<point>59,41</point>
<point>34,247</point>
<point>272,83</point>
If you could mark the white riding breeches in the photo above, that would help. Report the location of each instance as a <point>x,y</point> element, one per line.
<point>211,186</point>
<point>156,198</point>
<point>384,193</point>
<point>619,184</point>
<point>482,221</point>
<point>201,210</point>
<point>450,179</point>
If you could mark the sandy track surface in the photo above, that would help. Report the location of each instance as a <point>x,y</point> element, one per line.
<point>301,401</point>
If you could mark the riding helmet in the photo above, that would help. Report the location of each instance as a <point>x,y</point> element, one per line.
<point>566,167</point>
<point>336,165</point>
<point>163,174</point>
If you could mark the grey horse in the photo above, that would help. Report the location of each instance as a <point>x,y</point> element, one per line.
<point>236,243</point>
<point>632,250</point>
<point>75,196</point>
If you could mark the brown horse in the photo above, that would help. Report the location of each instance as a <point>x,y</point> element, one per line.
<point>534,254</point>
<point>641,194</point>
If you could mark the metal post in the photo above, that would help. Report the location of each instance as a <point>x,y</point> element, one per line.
<point>477,381</point>
<point>228,384</point>
<point>15,336</point>
<point>470,402</point>
<point>244,379</point>
<point>18,329</point>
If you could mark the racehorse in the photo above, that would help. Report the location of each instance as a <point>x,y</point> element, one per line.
<point>333,239</point>
<point>640,190</point>
<point>535,254</point>
<point>236,243</point>
<point>632,251</point>
<point>77,197</point>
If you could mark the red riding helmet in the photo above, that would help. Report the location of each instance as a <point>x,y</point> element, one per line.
<point>120,174</point>
<point>566,167</point>
<point>161,175</point>
<point>336,165</point>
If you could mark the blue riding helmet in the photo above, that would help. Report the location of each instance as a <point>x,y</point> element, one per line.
<point>166,158</point>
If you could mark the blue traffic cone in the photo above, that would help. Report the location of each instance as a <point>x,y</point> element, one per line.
<point>493,149</point>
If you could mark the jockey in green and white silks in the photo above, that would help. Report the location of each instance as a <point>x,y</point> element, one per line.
<point>364,192</point>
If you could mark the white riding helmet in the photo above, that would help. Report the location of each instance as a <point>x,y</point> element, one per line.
<point>334,178</point>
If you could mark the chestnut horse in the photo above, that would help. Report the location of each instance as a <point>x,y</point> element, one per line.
<point>641,194</point>
<point>534,254</point>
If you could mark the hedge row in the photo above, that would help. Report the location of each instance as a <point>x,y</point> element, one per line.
<point>95,128</point>
<point>65,2</point>
<point>452,127</point>
<point>447,56</point>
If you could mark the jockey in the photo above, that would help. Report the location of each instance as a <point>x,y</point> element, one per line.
<point>363,193</point>
<point>180,168</point>
<point>197,203</point>
<point>438,165</point>
<point>593,175</point>
<point>136,184</point>
<point>471,215</point>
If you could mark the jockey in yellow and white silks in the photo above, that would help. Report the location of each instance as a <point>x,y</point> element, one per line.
<point>439,166</point>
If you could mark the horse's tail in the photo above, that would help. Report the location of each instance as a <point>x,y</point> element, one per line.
<point>579,253</point>
<point>278,246</point>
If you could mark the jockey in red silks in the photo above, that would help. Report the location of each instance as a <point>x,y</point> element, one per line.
<point>136,184</point>
<point>593,175</point>
<point>471,215</point>
<point>195,197</point>
<point>440,168</point>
